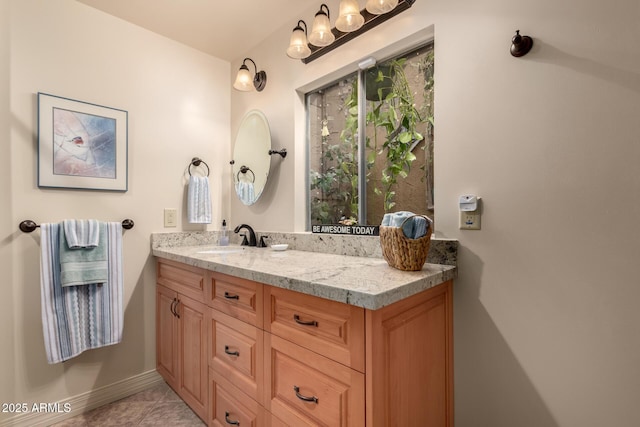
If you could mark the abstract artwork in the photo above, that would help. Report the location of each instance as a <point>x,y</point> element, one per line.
<point>81,145</point>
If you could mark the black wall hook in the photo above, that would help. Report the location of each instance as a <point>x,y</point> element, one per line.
<point>520,45</point>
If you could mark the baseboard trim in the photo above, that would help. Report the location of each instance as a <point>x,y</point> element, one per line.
<point>86,401</point>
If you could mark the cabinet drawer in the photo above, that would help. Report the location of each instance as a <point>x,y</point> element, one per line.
<point>306,389</point>
<point>237,297</point>
<point>330,328</point>
<point>235,353</point>
<point>229,406</point>
<point>182,278</point>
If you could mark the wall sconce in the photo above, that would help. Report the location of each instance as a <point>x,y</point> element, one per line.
<point>347,26</point>
<point>321,34</point>
<point>245,83</point>
<point>298,46</point>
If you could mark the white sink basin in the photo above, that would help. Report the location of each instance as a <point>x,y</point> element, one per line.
<point>221,250</point>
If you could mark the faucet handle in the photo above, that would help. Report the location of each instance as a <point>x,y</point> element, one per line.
<point>245,242</point>
<point>262,244</point>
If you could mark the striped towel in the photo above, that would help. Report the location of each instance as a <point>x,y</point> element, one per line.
<point>79,318</point>
<point>81,233</point>
<point>199,200</point>
<point>245,192</point>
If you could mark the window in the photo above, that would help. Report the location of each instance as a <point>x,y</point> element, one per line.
<point>371,142</point>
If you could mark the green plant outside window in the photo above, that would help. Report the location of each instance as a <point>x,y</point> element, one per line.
<point>397,151</point>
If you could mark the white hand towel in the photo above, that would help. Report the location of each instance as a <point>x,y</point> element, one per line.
<point>246,192</point>
<point>199,200</point>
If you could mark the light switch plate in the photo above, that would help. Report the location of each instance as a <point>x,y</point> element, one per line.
<point>170,217</point>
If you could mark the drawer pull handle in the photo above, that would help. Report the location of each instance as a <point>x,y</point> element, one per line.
<point>233,423</point>
<point>304,323</point>
<point>229,352</point>
<point>305,398</point>
<point>175,309</point>
<point>227,295</point>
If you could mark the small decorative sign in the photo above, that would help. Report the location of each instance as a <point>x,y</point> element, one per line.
<point>356,230</point>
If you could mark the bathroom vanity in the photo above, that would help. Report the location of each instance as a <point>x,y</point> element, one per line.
<point>255,337</point>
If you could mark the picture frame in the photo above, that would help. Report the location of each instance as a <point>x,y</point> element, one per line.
<point>81,145</point>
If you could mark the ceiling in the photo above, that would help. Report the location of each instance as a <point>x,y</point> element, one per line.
<point>224,29</point>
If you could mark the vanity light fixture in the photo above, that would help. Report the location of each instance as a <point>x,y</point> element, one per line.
<point>323,39</point>
<point>245,83</point>
<point>350,18</point>
<point>321,34</point>
<point>378,7</point>
<point>298,46</point>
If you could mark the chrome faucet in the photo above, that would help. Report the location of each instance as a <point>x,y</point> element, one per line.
<point>252,234</point>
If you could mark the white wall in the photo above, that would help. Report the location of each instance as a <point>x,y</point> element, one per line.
<point>178,102</point>
<point>546,303</point>
<point>7,226</point>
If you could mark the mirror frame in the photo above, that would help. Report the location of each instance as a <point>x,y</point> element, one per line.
<point>251,160</point>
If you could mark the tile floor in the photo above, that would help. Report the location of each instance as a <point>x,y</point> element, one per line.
<point>156,406</point>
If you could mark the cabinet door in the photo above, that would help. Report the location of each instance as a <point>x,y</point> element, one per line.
<point>167,335</point>
<point>192,338</point>
<point>410,361</point>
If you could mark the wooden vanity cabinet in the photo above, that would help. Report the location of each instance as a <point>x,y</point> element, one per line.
<point>181,334</point>
<point>409,368</point>
<point>276,357</point>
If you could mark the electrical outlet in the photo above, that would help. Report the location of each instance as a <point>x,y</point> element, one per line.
<point>170,217</point>
<point>470,220</point>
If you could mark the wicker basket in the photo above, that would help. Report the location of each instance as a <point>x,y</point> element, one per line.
<point>401,252</point>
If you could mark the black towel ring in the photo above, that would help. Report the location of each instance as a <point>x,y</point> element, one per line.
<point>196,162</point>
<point>245,169</point>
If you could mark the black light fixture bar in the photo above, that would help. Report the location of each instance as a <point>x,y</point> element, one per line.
<point>370,21</point>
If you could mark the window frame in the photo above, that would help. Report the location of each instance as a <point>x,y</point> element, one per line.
<point>362,112</point>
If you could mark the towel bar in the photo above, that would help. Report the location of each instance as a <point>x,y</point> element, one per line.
<point>27,226</point>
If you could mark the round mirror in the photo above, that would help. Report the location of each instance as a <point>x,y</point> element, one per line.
<point>251,159</point>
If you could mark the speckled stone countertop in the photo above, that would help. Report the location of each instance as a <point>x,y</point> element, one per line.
<point>367,282</point>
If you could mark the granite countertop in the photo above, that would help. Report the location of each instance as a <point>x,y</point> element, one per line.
<point>361,281</point>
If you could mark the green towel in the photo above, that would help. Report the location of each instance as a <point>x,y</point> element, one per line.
<point>84,266</point>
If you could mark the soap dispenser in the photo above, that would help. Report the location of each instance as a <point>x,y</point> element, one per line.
<point>224,236</point>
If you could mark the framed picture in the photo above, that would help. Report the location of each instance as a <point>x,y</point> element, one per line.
<point>81,145</point>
